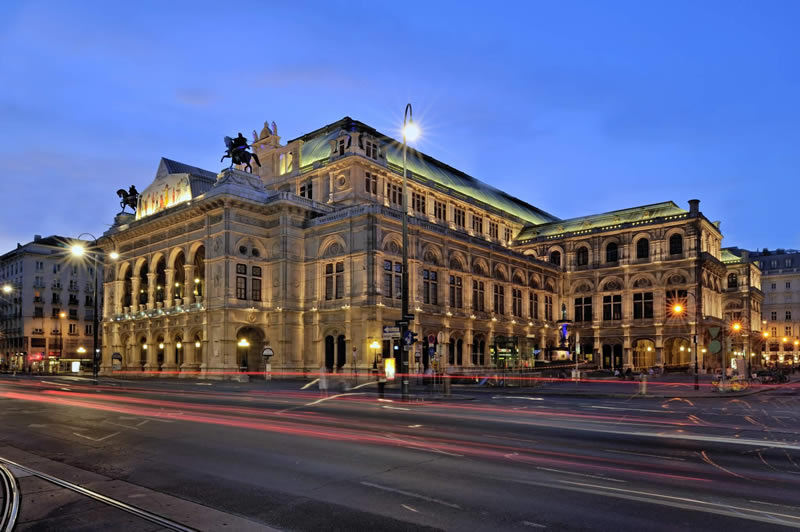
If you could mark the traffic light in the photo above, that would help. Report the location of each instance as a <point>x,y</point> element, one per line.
<point>413,338</point>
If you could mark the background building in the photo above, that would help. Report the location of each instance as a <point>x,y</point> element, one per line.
<point>46,306</point>
<point>304,255</point>
<point>780,283</point>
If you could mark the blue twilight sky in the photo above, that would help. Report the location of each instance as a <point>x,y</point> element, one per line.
<point>575,107</point>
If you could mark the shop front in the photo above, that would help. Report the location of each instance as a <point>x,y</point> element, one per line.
<point>505,352</point>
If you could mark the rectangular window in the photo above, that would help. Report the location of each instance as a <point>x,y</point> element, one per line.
<point>787,331</point>
<point>643,305</point>
<point>56,298</point>
<point>73,314</point>
<point>477,296</point>
<point>477,224</point>
<point>339,280</point>
<point>788,315</point>
<point>73,328</point>
<point>507,234</point>
<point>459,217</point>
<point>395,194</point>
<point>371,184</point>
<point>440,210</point>
<point>456,294</point>
<point>371,150</point>
<point>773,316</point>
<point>39,266</point>
<point>774,332</point>
<point>56,268</point>
<point>88,330</point>
<point>398,280</point>
<point>787,263</point>
<point>499,299</point>
<point>241,269</point>
<point>583,309</point>
<point>255,289</point>
<point>306,190</point>
<point>548,308</point>
<point>774,286</point>
<point>38,312</point>
<point>612,307</point>
<point>788,284</point>
<point>533,306</point>
<point>493,230</point>
<point>430,287</point>
<point>418,202</point>
<point>387,278</point>
<point>241,287</point>
<point>56,312</point>
<point>516,302</point>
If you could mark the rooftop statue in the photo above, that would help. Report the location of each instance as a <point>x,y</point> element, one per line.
<point>237,152</point>
<point>129,198</point>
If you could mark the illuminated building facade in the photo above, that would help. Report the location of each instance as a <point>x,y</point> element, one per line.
<point>46,307</point>
<point>304,256</point>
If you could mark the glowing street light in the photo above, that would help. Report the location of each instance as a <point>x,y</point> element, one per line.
<point>244,343</point>
<point>737,326</point>
<point>7,288</point>
<point>677,309</point>
<point>411,131</point>
<point>113,255</point>
<point>78,250</point>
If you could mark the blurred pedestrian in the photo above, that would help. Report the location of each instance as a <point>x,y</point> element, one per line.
<point>323,381</point>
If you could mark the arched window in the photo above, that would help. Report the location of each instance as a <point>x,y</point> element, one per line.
<point>642,248</point>
<point>555,258</point>
<point>676,244</point>
<point>733,281</point>
<point>582,256</point>
<point>612,252</point>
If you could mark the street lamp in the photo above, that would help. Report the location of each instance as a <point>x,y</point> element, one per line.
<point>677,310</point>
<point>79,250</point>
<point>410,132</point>
<point>375,345</point>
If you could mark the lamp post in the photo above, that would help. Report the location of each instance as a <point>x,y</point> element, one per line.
<point>410,132</point>
<point>7,290</point>
<point>679,309</point>
<point>78,250</point>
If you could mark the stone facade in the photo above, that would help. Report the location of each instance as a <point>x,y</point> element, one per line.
<point>304,256</point>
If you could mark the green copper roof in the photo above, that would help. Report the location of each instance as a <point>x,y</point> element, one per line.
<point>728,257</point>
<point>316,147</point>
<point>604,220</point>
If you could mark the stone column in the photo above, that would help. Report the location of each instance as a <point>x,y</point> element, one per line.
<point>151,290</point>
<point>169,290</point>
<point>188,283</point>
<point>136,284</point>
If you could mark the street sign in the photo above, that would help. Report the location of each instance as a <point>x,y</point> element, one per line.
<point>390,332</point>
<point>401,323</point>
<point>407,338</point>
<point>409,317</point>
<point>431,339</point>
<point>267,352</point>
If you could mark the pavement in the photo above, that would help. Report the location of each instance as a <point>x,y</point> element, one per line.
<point>270,455</point>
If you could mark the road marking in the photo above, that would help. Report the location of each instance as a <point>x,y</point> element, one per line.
<point>629,409</point>
<point>96,439</point>
<point>414,426</point>
<point>432,450</point>
<point>310,384</point>
<point>409,508</point>
<point>775,504</point>
<point>395,407</point>
<point>368,383</point>
<point>120,425</point>
<point>517,397</point>
<point>580,474</point>
<point>204,384</point>
<point>411,494</point>
<point>36,426</point>
<point>534,525</point>
<point>645,454</point>
<point>322,399</point>
<point>508,438</point>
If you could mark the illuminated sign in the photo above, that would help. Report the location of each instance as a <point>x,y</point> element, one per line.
<point>388,368</point>
<point>76,367</point>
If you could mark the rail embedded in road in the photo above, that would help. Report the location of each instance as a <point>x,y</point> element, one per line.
<point>10,492</point>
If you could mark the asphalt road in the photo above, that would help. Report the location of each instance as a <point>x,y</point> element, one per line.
<point>272,454</point>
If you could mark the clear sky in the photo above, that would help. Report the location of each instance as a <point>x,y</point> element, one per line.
<point>575,107</point>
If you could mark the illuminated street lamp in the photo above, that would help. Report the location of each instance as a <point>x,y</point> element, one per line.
<point>78,250</point>
<point>677,310</point>
<point>375,345</point>
<point>7,288</point>
<point>410,132</point>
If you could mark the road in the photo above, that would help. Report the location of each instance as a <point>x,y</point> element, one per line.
<point>208,454</point>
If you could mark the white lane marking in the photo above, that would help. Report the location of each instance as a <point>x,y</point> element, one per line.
<point>395,407</point>
<point>774,504</point>
<point>534,525</point>
<point>517,397</point>
<point>120,425</point>
<point>368,383</point>
<point>645,454</point>
<point>580,474</point>
<point>669,500</point>
<point>323,399</point>
<point>409,508</point>
<point>96,439</point>
<point>414,426</point>
<point>411,494</point>
<point>310,384</point>
<point>204,384</point>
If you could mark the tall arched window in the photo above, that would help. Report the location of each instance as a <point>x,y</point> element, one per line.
<point>612,252</point>
<point>582,256</point>
<point>642,248</point>
<point>676,244</point>
<point>555,258</point>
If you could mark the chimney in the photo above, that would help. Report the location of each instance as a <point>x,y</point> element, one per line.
<point>36,238</point>
<point>694,207</point>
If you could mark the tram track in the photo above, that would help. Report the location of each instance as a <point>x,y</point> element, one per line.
<point>10,494</point>
<point>11,498</point>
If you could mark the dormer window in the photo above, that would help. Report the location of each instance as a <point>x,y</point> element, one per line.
<point>341,147</point>
<point>371,150</point>
<point>285,162</point>
<point>306,190</point>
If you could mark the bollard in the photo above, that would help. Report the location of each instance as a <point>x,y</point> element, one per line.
<point>643,385</point>
<point>446,382</point>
